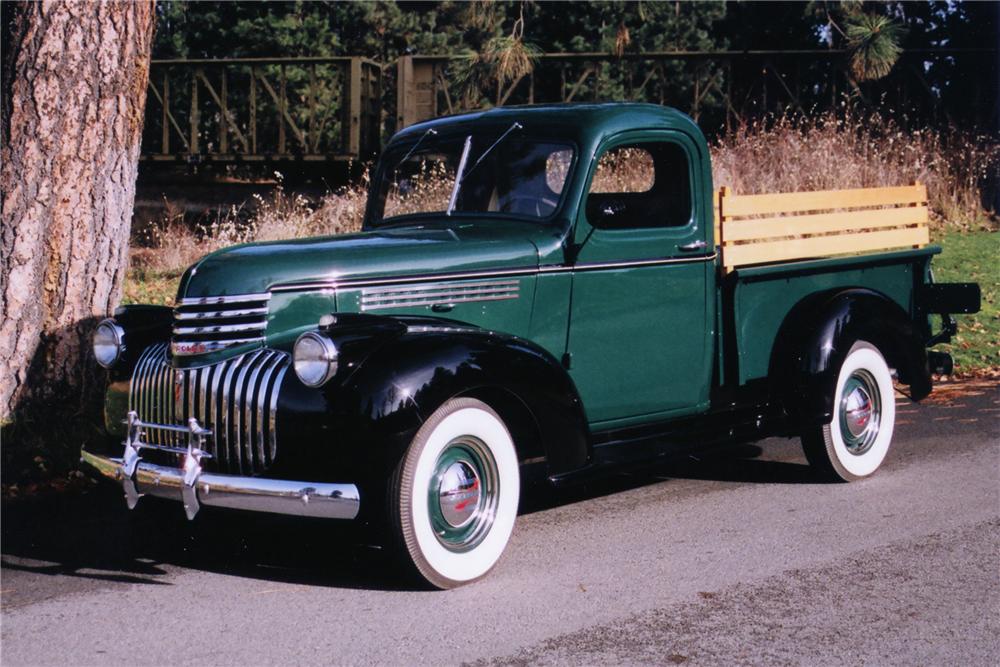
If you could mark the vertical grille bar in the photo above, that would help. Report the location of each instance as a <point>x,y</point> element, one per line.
<point>131,385</point>
<point>263,401</point>
<point>272,432</point>
<point>243,452</point>
<point>146,383</point>
<point>221,447</point>
<point>237,399</point>
<point>204,401</point>
<point>151,387</point>
<point>179,386</point>
<point>228,399</point>
<point>170,402</point>
<point>138,395</point>
<point>145,398</point>
<point>155,411</point>
<point>199,395</point>
<point>161,402</point>
<point>251,398</point>
<point>178,391</point>
<point>191,388</point>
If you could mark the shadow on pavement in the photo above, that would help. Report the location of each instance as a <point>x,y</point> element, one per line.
<point>91,535</point>
<point>738,463</point>
<point>741,463</point>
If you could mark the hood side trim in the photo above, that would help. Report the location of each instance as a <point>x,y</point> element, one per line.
<point>503,273</point>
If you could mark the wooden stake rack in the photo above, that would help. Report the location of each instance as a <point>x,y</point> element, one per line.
<point>790,226</point>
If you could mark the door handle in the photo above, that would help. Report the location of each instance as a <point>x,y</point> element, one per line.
<point>692,247</point>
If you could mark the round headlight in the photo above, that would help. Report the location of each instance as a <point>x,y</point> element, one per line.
<point>109,343</point>
<point>315,359</point>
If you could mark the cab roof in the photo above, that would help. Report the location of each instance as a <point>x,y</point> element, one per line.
<point>587,124</point>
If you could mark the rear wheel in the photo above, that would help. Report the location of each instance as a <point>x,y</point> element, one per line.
<point>855,442</point>
<point>455,494</point>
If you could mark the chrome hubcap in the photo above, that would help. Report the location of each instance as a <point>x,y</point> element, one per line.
<point>860,412</point>
<point>463,494</point>
<point>459,494</point>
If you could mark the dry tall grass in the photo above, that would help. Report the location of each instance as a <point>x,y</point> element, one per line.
<point>795,153</point>
<point>783,154</point>
<point>429,189</point>
<point>172,243</point>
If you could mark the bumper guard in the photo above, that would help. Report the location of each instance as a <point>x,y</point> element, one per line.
<point>194,487</point>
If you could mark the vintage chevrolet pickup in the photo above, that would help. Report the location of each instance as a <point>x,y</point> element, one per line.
<point>538,292</point>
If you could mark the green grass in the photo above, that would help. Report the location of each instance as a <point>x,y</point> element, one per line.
<point>153,287</point>
<point>973,257</point>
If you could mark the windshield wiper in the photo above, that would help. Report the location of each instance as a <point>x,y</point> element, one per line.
<point>458,175</point>
<point>515,126</point>
<point>462,174</point>
<point>410,152</point>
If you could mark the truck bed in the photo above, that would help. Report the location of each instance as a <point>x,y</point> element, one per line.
<point>758,300</point>
<point>780,248</point>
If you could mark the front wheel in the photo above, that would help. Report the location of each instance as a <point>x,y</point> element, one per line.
<point>453,499</point>
<point>854,444</point>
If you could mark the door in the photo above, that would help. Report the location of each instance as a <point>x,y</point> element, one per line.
<point>639,316</point>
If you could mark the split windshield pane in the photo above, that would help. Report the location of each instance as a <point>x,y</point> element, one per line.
<point>518,177</point>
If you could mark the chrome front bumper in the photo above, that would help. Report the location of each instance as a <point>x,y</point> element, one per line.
<point>194,488</point>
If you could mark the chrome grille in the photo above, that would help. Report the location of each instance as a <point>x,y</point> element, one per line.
<point>237,399</point>
<point>438,294</point>
<point>208,324</point>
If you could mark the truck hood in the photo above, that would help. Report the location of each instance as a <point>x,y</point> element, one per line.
<point>402,251</point>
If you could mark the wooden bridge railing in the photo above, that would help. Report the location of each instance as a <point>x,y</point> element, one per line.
<point>263,109</point>
<point>728,86</point>
<point>331,108</point>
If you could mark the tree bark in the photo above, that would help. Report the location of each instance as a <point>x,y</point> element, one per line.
<point>74,95</point>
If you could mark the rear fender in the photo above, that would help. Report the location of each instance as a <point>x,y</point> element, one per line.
<point>817,335</point>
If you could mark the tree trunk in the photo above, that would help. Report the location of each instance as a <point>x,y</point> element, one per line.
<point>74,95</point>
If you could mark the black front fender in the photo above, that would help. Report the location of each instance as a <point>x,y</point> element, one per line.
<point>405,381</point>
<point>143,325</point>
<point>359,425</point>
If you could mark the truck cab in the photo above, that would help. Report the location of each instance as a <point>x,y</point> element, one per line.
<point>621,199</point>
<point>537,292</point>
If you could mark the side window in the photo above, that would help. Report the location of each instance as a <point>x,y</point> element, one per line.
<point>624,169</point>
<point>641,185</point>
<point>557,168</point>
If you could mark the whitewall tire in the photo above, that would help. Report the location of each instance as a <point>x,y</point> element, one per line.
<point>855,442</point>
<point>455,494</point>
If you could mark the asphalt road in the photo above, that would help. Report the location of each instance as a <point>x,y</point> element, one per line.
<point>738,558</point>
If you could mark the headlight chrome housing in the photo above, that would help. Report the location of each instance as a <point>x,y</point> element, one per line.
<point>314,358</point>
<point>109,343</point>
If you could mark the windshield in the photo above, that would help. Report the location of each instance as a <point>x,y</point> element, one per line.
<point>504,175</point>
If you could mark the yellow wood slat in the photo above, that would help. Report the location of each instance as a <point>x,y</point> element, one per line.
<point>822,246</point>
<point>717,217</point>
<point>819,200</point>
<point>797,225</point>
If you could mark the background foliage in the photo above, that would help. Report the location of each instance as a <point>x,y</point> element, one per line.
<point>492,35</point>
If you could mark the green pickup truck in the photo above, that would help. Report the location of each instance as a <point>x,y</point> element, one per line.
<point>538,293</point>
